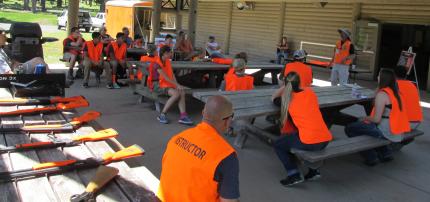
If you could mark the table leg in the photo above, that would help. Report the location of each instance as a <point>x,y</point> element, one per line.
<point>212,80</point>
<point>274,77</point>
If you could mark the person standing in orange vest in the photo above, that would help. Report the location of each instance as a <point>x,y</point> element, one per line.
<point>238,80</point>
<point>343,55</point>
<point>198,164</point>
<point>168,85</point>
<point>151,59</point>
<point>93,60</point>
<point>410,97</point>
<point>298,66</point>
<point>302,126</point>
<point>388,119</point>
<point>117,56</point>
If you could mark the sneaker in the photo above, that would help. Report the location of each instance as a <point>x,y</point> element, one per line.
<point>109,86</point>
<point>162,119</point>
<point>292,180</point>
<point>313,174</point>
<point>186,121</point>
<point>116,86</point>
<point>85,85</point>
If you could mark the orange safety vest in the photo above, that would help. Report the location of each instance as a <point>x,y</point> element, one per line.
<point>138,43</point>
<point>399,123</point>
<point>74,52</point>
<point>152,60</point>
<point>306,116</point>
<point>236,83</point>
<point>189,164</point>
<point>342,51</point>
<point>167,69</point>
<point>223,61</point>
<point>304,72</point>
<point>119,51</point>
<point>94,52</point>
<point>410,100</point>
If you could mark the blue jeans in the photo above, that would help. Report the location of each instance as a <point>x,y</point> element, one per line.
<point>283,146</point>
<point>370,129</point>
<point>281,54</point>
<point>217,55</point>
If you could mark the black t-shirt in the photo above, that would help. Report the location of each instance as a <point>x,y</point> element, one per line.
<point>227,176</point>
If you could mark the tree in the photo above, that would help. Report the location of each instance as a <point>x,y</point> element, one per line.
<point>59,3</point>
<point>33,6</point>
<point>103,5</point>
<point>26,7</point>
<point>43,5</point>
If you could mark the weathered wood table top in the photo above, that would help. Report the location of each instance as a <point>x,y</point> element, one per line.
<point>132,184</point>
<point>214,66</point>
<point>254,103</point>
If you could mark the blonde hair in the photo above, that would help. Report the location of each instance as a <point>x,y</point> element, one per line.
<point>292,84</point>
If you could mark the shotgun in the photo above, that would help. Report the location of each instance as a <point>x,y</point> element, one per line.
<point>30,101</point>
<point>43,169</point>
<point>55,128</point>
<point>96,136</point>
<point>58,107</point>
<point>104,174</point>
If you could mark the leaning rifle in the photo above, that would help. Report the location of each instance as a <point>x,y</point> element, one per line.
<point>31,101</point>
<point>58,107</point>
<point>55,128</point>
<point>56,142</point>
<point>55,167</point>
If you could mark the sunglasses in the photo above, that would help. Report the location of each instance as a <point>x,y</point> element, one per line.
<point>231,116</point>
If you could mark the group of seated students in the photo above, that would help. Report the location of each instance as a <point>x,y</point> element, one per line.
<point>396,109</point>
<point>102,53</point>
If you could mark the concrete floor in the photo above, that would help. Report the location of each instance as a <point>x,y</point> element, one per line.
<point>407,178</point>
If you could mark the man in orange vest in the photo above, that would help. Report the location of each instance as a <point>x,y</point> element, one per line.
<point>72,47</point>
<point>342,59</point>
<point>117,56</point>
<point>198,164</point>
<point>298,66</point>
<point>93,60</point>
<point>238,80</point>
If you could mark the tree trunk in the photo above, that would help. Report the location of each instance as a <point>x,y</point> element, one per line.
<point>33,6</point>
<point>26,7</point>
<point>102,5</point>
<point>59,3</point>
<point>43,5</point>
<point>72,18</point>
<point>91,2</point>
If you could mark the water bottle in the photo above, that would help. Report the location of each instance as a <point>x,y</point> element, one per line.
<point>354,91</point>
<point>40,69</point>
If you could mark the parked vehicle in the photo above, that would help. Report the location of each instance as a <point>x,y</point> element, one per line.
<point>84,20</point>
<point>99,21</point>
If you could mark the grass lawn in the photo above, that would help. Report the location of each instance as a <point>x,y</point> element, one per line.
<point>7,16</point>
<point>50,5</point>
<point>54,51</point>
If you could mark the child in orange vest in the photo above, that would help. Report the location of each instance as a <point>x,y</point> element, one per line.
<point>388,119</point>
<point>238,80</point>
<point>303,126</point>
<point>298,66</point>
<point>94,61</point>
<point>117,54</point>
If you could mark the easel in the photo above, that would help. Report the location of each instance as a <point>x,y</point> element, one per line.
<point>408,58</point>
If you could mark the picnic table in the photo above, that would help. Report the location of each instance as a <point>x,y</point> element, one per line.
<point>214,69</point>
<point>248,105</point>
<point>132,184</point>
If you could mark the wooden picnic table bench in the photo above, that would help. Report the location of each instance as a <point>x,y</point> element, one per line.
<point>132,184</point>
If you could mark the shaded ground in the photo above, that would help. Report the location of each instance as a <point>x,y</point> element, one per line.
<point>344,179</point>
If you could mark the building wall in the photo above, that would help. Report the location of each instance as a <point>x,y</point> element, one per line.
<point>403,13</point>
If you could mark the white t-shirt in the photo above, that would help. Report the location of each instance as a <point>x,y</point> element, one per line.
<point>211,47</point>
<point>4,66</point>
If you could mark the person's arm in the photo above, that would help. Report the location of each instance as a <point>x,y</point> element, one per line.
<point>111,53</point>
<point>278,93</point>
<point>380,101</point>
<point>86,56</point>
<point>332,58</point>
<point>227,176</point>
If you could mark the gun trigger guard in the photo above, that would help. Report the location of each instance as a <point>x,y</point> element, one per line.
<point>84,197</point>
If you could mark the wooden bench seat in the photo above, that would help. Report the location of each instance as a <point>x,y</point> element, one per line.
<point>347,146</point>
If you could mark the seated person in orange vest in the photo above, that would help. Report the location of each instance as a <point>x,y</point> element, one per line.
<point>168,85</point>
<point>198,164</point>
<point>302,126</point>
<point>298,66</point>
<point>410,97</point>
<point>388,119</point>
<point>237,80</point>
<point>343,55</point>
<point>151,58</point>
<point>168,41</point>
<point>117,55</point>
<point>72,47</point>
<point>93,60</point>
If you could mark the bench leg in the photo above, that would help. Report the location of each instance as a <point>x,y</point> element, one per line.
<point>157,106</point>
<point>241,135</point>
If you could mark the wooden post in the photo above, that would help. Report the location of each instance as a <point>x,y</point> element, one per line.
<point>356,15</point>
<point>281,21</point>
<point>178,23</point>
<point>228,31</point>
<point>192,21</point>
<point>155,22</point>
<point>72,16</point>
